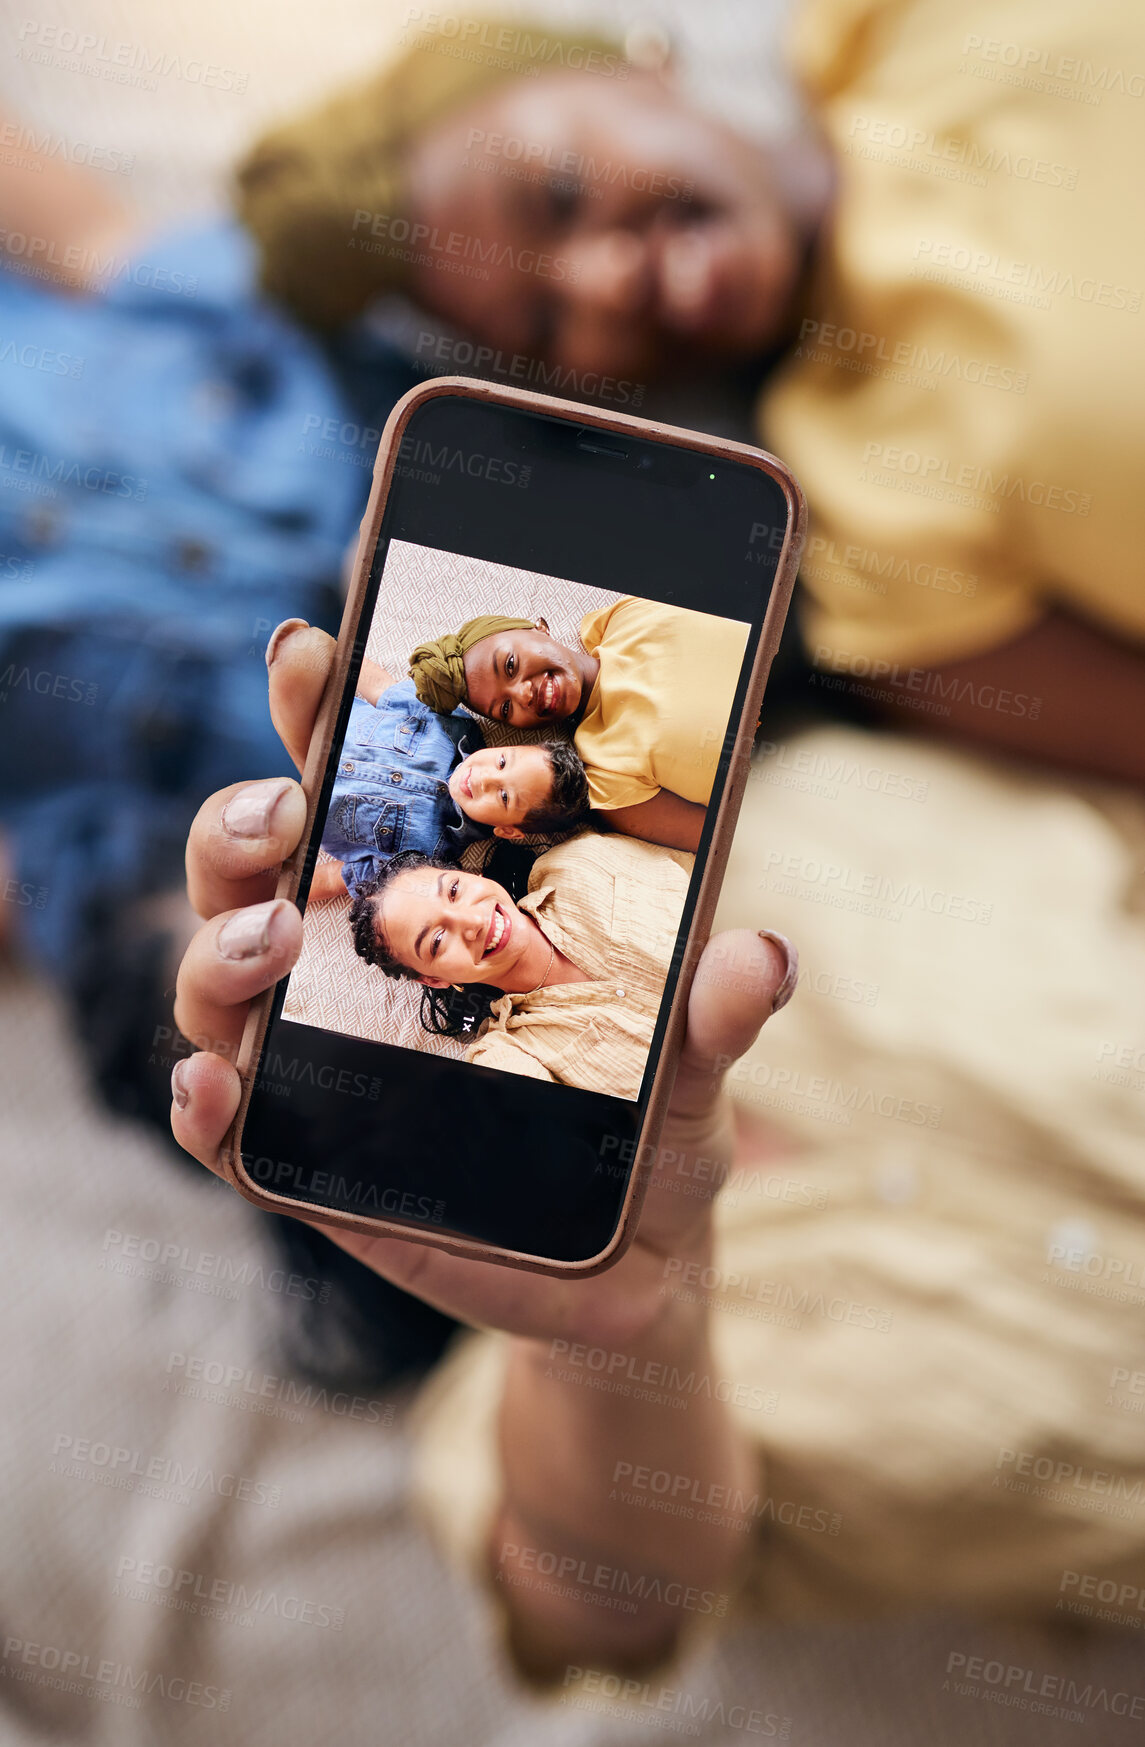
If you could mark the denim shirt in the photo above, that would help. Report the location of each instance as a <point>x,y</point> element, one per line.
<point>181,466</point>
<point>392,787</point>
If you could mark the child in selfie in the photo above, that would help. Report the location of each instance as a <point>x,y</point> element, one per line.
<point>410,778</point>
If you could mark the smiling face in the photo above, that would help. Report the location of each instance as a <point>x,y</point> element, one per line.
<point>630,229</point>
<point>448,926</point>
<point>523,678</point>
<point>500,786</point>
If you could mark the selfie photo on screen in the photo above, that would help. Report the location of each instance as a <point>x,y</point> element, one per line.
<point>510,838</point>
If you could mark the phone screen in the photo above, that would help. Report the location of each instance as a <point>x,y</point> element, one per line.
<point>547,683</point>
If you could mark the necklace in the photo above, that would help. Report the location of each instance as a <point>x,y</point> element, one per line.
<point>548,968</point>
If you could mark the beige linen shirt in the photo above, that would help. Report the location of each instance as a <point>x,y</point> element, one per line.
<point>612,905</point>
<point>931,1289</point>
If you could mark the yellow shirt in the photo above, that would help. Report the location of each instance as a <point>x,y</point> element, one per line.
<point>658,714</point>
<point>965,405</point>
<point>613,906</point>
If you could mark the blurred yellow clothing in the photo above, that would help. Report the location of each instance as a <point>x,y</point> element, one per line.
<point>658,714</point>
<point>965,407</point>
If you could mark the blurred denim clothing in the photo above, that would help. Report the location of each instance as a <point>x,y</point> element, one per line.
<point>180,468</point>
<point>391,791</point>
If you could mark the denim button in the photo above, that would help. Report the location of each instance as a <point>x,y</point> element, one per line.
<point>43,525</point>
<point>348,768</point>
<point>192,555</point>
<point>395,776</point>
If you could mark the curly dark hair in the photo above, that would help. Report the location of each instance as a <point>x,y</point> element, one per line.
<point>370,941</point>
<point>444,1012</point>
<point>568,801</point>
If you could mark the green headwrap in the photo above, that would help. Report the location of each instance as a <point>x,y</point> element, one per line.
<point>437,668</point>
<point>304,186</point>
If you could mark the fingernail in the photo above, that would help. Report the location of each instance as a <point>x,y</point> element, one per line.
<point>791,976</point>
<point>248,814</point>
<point>180,1091</point>
<point>279,635</point>
<point>247,933</point>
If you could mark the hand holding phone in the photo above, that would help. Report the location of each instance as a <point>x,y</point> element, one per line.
<point>557,633</point>
<point>252,939</point>
<point>559,1442</point>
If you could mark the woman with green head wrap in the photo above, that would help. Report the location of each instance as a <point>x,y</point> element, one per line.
<point>648,693</point>
<point>437,667</point>
<point>327,195</point>
<point>539,192</point>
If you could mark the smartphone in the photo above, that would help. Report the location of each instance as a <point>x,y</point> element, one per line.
<point>522,790</point>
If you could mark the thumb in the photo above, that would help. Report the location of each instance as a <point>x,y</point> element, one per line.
<point>741,980</point>
<point>299,660</point>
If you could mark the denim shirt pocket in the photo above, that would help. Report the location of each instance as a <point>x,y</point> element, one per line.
<point>409,730</point>
<point>389,827</point>
<point>369,823</point>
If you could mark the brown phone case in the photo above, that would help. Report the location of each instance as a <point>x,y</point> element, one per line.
<point>251,1047</point>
